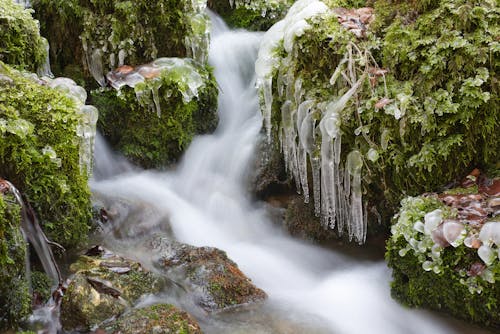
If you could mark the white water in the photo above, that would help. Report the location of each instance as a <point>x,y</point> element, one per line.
<point>207,204</point>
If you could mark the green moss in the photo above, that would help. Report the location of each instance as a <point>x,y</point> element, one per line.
<point>161,318</point>
<point>41,284</point>
<point>133,126</point>
<point>34,121</point>
<point>20,41</point>
<point>417,288</point>
<point>14,288</point>
<point>254,15</point>
<point>141,30</point>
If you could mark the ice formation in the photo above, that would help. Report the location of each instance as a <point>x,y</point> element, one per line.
<point>310,131</point>
<point>294,24</point>
<point>148,78</point>
<point>86,129</point>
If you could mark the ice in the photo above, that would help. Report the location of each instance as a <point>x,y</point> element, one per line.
<point>486,254</point>
<point>96,67</point>
<point>490,233</point>
<point>432,220</point>
<point>357,227</point>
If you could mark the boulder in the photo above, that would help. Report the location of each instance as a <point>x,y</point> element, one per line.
<point>444,251</point>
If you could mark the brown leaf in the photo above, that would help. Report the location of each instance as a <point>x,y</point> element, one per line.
<point>382,103</point>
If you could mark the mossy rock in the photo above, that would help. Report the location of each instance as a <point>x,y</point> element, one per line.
<point>173,106</point>
<point>444,257</point>
<point>20,41</point>
<point>215,282</point>
<point>14,286</point>
<point>423,111</point>
<point>256,15</point>
<point>160,319</point>
<point>104,285</point>
<point>101,35</point>
<point>40,154</point>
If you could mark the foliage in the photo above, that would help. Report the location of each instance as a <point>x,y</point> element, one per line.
<point>255,15</point>
<point>14,288</point>
<point>20,41</point>
<point>39,154</point>
<point>134,128</point>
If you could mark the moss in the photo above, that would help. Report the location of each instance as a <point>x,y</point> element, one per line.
<point>161,318</point>
<point>417,288</point>
<point>139,31</point>
<point>41,285</point>
<point>14,288</point>
<point>20,41</point>
<point>36,121</point>
<point>133,126</point>
<point>442,84</point>
<point>254,15</point>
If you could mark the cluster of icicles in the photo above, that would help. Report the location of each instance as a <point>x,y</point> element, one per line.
<point>336,186</point>
<point>182,70</point>
<point>196,41</point>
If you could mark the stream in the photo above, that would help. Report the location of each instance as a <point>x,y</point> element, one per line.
<point>206,202</point>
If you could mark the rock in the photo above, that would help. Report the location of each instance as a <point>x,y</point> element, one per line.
<point>104,286</point>
<point>456,267</point>
<point>215,282</point>
<point>157,109</point>
<point>158,319</point>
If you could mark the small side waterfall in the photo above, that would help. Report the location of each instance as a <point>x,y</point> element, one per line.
<point>207,204</point>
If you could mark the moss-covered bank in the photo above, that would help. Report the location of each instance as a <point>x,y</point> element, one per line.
<point>40,153</point>
<point>14,287</point>
<point>101,35</point>
<point>393,104</point>
<point>157,109</point>
<point>444,252</point>
<point>20,41</point>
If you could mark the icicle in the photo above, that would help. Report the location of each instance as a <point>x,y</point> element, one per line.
<point>121,57</point>
<point>96,67</point>
<point>156,100</point>
<point>356,226</point>
<point>268,104</point>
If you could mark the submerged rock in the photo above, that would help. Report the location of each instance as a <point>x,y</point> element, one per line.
<point>104,285</point>
<point>157,108</point>
<point>453,262</point>
<point>215,282</point>
<point>158,319</point>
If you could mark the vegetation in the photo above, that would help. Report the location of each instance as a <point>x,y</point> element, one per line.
<point>20,41</point>
<point>107,34</point>
<point>39,154</point>
<point>14,287</point>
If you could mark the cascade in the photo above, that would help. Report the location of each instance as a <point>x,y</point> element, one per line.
<point>207,204</point>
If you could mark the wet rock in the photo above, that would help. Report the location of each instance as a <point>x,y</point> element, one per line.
<point>214,280</point>
<point>158,319</point>
<point>98,291</point>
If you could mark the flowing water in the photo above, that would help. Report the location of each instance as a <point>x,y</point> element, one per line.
<point>205,201</point>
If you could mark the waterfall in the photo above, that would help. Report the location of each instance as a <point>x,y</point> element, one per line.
<point>207,204</point>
